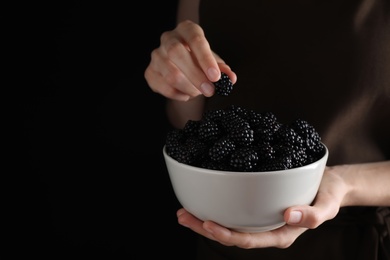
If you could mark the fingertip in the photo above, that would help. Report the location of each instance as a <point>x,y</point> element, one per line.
<point>181,217</point>
<point>233,77</point>
<point>180,212</point>
<point>213,74</point>
<point>207,89</point>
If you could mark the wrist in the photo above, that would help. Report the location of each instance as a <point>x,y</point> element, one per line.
<point>340,185</point>
<point>364,184</point>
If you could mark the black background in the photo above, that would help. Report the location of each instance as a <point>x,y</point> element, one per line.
<point>95,183</point>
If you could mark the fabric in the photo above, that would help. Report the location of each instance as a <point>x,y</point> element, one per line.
<point>327,62</point>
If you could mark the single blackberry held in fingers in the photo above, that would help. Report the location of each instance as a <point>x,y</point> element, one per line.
<point>243,140</point>
<point>224,86</point>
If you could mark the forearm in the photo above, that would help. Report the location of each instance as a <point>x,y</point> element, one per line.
<point>179,112</point>
<point>368,184</point>
<point>188,10</point>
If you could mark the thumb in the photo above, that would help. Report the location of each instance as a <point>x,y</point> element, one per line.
<point>311,216</point>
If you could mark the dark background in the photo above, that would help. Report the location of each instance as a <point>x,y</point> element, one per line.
<point>95,183</point>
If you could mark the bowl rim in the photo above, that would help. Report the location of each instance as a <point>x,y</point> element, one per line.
<point>221,172</point>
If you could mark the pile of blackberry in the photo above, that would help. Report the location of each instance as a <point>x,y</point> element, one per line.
<point>240,139</point>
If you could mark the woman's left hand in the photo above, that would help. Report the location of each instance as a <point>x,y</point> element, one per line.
<point>328,201</point>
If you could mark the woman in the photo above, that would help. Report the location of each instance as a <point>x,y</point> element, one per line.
<point>326,62</point>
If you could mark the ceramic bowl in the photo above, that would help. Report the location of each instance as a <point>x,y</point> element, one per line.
<point>244,201</point>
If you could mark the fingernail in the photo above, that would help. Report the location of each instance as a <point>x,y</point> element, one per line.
<point>207,89</point>
<point>213,74</point>
<point>295,217</point>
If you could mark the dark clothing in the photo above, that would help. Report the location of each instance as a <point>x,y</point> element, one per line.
<point>327,62</point>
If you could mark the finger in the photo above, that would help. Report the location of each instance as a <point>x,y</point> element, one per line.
<point>281,238</point>
<point>182,58</point>
<point>311,217</point>
<point>160,85</point>
<point>188,220</point>
<point>325,206</point>
<point>194,36</point>
<point>164,77</point>
<point>171,75</point>
<point>226,69</point>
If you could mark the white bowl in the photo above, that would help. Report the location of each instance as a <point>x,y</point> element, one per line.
<point>244,201</point>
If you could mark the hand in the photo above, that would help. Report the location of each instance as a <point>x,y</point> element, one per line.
<point>184,66</point>
<point>298,218</point>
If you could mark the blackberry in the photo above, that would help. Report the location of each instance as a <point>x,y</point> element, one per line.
<point>242,135</point>
<point>287,136</point>
<point>191,128</point>
<point>297,154</point>
<point>253,118</point>
<point>299,157</point>
<point>215,115</point>
<point>221,149</point>
<point>268,120</point>
<point>244,159</point>
<point>276,164</point>
<point>232,121</point>
<point>196,146</point>
<point>265,151</point>
<point>315,153</point>
<point>213,165</point>
<point>189,152</point>
<point>182,154</point>
<point>238,110</point>
<point>209,131</point>
<point>224,85</point>
<point>262,135</point>
<point>311,138</point>
<point>173,142</point>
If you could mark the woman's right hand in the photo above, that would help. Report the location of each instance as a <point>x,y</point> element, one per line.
<point>184,66</point>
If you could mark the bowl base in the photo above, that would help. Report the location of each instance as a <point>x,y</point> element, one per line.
<point>258,229</point>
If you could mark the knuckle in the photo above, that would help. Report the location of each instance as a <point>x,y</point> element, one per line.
<point>187,24</point>
<point>147,75</point>
<point>174,49</point>
<point>198,39</point>
<point>165,36</point>
<point>314,221</point>
<point>247,244</point>
<point>154,54</point>
<point>286,243</point>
